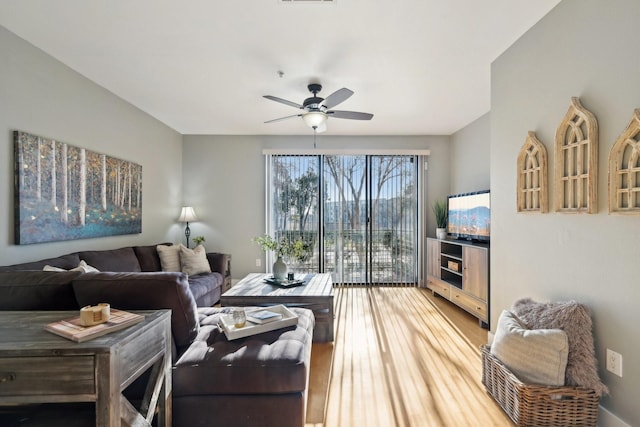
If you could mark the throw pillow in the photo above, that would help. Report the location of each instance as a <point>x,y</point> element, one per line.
<point>194,261</point>
<point>82,266</point>
<point>169,257</point>
<point>575,320</point>
<point>535,356</point>
<point>86,268</point>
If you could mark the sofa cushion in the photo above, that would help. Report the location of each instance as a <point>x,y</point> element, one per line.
<point>38,290</point>
<point>194,261</point>
<point>66,262</point>
<point>575,320</point>
<point>206,288</point>
<point>148,257</point>
<point>123,259</point>
<point>268,363</point>
<point>169,257</point>
<point>535,356</point>
<point>144,291</point>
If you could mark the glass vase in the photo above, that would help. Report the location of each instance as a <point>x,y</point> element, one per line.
<point>279,269</point>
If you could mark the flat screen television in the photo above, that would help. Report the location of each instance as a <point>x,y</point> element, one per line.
<point>469,216</point>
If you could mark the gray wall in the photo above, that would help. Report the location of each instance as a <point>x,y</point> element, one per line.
<point>470,157</point>
<point>589,49</point>
<point>42,96</point>
<point>224,181</point>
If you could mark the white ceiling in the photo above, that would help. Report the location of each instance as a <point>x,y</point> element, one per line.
<point>422,67</point>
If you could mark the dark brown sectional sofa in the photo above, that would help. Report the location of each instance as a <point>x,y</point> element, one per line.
<point>260,380</point>
<point>206,288</point>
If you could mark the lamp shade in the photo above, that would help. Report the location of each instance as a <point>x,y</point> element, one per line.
<point>314,119</point>
<point>187,214</point>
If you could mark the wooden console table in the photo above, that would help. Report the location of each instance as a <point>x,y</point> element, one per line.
<point>316,295</point>
<point>37,367</point>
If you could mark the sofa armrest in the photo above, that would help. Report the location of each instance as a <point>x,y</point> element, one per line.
<point>144,291</point>
<point>221,263</point>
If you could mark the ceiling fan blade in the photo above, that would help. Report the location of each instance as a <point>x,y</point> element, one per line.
<point>283,118</point>
<point>337,97</point>
<point>283,101</point>
<point>353,115</point>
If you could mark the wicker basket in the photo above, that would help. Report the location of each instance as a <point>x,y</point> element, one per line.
<point>537,405</point>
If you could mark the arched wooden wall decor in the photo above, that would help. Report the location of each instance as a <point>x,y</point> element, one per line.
<point>532,176</point>
<point>576,162</point>
<point>624,170</point>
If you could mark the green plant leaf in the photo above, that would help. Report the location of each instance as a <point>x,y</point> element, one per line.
<point>298,249</point>
<point>440,211</point>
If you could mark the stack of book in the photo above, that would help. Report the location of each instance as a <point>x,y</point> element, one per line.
<point>261,317</point>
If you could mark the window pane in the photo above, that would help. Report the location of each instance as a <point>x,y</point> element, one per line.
<point>294,206</point>
<point>345,218</point>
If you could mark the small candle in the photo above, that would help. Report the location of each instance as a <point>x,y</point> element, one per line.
<point>239,317</point>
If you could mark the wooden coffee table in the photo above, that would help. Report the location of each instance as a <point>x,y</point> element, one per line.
<point>316,295</point>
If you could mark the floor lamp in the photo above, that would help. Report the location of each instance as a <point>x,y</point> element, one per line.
<point>187,215</point>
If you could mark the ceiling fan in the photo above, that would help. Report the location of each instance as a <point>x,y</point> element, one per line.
<point>317,110</point>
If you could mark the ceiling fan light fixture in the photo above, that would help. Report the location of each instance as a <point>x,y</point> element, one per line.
<point>314,119</point>
<point>321,128</point>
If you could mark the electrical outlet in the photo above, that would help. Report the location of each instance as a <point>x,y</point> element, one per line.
<point>614,362</point>
<point>258,262</point>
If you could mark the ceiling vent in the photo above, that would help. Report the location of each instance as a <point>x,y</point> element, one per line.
<point>307,1</point>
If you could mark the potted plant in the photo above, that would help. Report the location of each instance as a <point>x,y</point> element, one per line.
<point>298,249</point>
<point>198,240</point>
<point>440,211</point>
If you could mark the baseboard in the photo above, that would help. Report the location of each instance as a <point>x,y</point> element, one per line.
<point>608,419</point>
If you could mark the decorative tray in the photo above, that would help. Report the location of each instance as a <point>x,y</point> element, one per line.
<point>74,330</point>
<point>284,283</point>
<point>227,326</point>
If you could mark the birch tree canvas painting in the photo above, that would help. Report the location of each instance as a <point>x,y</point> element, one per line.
<point>64,192</point>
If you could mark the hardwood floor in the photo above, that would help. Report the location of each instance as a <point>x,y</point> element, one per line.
<point>400,358</point>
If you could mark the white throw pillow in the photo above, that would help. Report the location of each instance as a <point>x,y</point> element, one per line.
<point>169,257</point>
<point>194,261</point>
<point>52,268</point>
<point>86,268</point>
<point>535,356</point>
<point>82,266</point>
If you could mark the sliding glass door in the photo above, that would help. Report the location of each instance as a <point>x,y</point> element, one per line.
<point>359,213</point>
